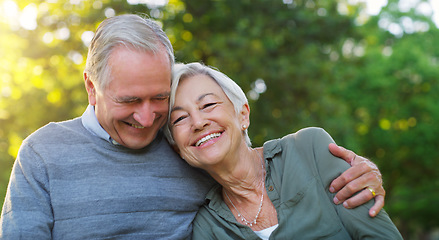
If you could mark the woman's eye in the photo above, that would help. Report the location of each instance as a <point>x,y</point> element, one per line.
<point>209,105</point>
<point>178,120</point>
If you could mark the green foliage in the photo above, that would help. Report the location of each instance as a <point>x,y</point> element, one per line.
<point>372,90</point>
<point>395,105</point>
<point>286,45</point>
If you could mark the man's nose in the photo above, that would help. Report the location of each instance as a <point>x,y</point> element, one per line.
<point>145,114</point>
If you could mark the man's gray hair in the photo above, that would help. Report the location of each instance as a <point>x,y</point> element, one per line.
<point>230,88</point>
<point>129,30</point>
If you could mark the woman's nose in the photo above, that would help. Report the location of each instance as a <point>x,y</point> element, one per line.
<point>199,122</point>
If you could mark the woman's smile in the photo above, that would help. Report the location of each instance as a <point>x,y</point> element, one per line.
<point>207,139</point>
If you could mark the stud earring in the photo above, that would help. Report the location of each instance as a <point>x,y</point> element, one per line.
<point>244,126</point>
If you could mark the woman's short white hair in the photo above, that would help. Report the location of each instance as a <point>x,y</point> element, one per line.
<point>129,30</point>
<point>230,88</point>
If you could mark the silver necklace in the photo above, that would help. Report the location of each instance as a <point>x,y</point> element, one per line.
<point>243,219</point>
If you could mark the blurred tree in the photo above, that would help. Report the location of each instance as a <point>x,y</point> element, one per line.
<point>287,45</point>
<point>392,94</point>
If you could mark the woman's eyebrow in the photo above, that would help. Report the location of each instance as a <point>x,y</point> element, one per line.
<point>203,96</point>
<point>199,99</point>
<point>176,108</point>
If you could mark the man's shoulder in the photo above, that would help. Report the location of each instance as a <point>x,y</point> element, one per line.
<point>54,131</point>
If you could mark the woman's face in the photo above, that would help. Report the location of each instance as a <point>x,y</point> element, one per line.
<point>204,123</point>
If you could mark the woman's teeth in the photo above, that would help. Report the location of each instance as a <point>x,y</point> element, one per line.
<point>207,138</point>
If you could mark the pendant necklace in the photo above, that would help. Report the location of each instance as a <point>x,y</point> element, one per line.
<point>243,219</point>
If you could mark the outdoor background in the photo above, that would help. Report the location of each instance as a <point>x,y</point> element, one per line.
<point>369,77</point>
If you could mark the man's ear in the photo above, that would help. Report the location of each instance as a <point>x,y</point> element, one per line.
<point>91,90</point>
<point>245,116</point>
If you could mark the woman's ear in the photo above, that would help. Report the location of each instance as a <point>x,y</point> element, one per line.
<point>245,116</point>
<point>91,91</point>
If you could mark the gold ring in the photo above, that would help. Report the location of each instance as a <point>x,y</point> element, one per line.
<point>372,191</point>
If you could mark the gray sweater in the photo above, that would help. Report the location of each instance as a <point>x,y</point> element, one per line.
<point>69,184</point>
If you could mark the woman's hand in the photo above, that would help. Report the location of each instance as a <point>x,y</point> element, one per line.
<point>363,177</point>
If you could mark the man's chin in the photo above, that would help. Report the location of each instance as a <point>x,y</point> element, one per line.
<point>138,143</point>
<point>137,138</point>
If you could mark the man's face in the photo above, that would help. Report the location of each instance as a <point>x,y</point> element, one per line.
<point>134,106</point>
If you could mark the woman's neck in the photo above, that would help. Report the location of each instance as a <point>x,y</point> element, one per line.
<point>244,192</point>
<point>243,175</point>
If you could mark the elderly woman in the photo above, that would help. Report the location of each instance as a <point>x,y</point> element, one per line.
<point>280,190</point>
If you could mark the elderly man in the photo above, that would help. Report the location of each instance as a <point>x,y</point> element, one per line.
<point>110,174</point>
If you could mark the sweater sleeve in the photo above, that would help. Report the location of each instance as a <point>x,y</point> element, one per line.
<point>356,221</point>
<point>27,212</point>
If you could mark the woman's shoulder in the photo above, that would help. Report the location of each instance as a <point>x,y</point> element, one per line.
<point>303,137</point>
<point>306,134</point>
<point>307,147</point>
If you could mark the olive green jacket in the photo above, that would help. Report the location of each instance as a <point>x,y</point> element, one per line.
<point>300,169</point>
